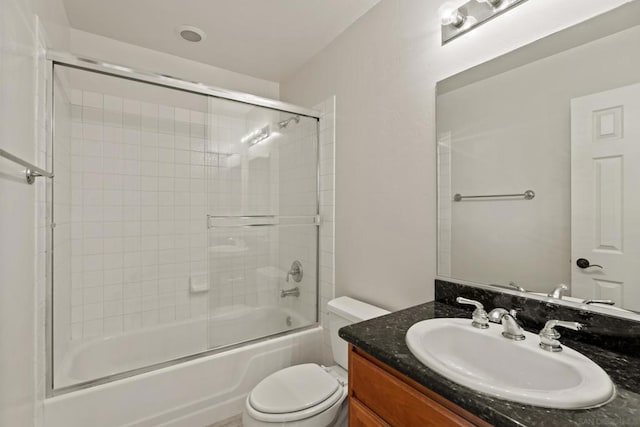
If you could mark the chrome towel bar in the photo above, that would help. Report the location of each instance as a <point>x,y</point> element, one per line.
<point>527,195</point>
<point>32,172</point>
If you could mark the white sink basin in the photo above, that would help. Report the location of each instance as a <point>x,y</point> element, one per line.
<point>519,371</point>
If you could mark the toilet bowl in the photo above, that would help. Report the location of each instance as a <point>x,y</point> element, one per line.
<point>307,395</point>
<point>310,395</point>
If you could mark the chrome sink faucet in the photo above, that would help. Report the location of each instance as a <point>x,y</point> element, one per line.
<point>558,291</point>
<point>480,319</point>
<point>549,336</point>
<point>511,328</point>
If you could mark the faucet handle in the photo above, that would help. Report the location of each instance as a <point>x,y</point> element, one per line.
<point>479,315</point>
<point>558,291</point>
<point>295,272</point>
<point>599,301</point>
<point>549,336</point>
<point>462,300</point>
<point>517,287</point>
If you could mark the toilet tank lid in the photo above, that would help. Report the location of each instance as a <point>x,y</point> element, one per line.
<point>354,310</point>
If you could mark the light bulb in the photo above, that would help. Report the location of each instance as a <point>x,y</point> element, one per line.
<point>492,3</point>
<point>450,15</point>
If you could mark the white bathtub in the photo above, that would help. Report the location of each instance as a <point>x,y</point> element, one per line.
<point>198,392</point>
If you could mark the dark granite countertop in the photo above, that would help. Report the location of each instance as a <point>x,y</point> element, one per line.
<point>384,338</point>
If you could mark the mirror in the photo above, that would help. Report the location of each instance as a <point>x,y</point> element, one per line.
<point>539,167</point>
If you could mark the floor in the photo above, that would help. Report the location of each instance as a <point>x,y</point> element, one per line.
<point>235,421</point>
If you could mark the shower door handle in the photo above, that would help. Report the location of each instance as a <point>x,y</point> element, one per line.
<point>220,221</point>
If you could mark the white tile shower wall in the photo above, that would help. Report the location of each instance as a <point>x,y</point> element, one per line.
<point>241,267</point>
<point>138,213</point>
<point>298,177</point>
<point>248,266</point>
<point>327,138</point>
<point>242,181</point>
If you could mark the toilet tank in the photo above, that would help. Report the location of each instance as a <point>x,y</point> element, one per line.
<point>344,311</point>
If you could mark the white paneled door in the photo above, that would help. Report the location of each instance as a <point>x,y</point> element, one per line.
<point>605,196</point>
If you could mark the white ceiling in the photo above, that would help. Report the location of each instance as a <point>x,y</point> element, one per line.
<point>269,39</point>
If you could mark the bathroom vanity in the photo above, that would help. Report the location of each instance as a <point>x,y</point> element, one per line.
<point>378,392</point>
<point>389,386</point>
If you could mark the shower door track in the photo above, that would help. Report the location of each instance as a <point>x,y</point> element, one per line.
<point>102,67</point>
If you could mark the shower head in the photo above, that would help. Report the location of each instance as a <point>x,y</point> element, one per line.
<point>284,123</point>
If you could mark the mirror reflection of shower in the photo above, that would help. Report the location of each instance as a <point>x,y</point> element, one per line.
<point>284,123</point>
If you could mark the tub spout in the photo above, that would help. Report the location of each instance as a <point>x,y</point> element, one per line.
<point>293,292</point>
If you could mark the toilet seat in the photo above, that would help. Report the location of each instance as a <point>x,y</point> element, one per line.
<point>294,393</point>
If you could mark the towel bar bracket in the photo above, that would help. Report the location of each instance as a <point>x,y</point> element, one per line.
<point>32,172</point>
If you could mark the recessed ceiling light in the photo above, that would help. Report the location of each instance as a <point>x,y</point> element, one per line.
<point>191,33</point>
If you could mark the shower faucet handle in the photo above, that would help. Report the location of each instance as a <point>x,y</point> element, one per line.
<point>295,271</point>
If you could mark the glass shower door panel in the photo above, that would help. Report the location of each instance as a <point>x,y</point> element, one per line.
<point>130,243</point>
<point>260,162</point>
<point>262,208</point>
<point>248,268</point>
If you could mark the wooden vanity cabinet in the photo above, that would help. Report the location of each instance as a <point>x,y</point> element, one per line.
<point>381,396</point>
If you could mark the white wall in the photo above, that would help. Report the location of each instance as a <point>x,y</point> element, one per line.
<point>17,244</point>
<point>99,47</point>
<point>383,70</point>
<point>53,17</point>
<point>21,132</point>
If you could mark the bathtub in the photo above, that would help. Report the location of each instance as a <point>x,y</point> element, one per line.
<point>196,392</point>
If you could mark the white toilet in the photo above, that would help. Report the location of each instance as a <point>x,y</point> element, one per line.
<point>310,395</point>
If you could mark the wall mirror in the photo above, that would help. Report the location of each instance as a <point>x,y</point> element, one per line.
<point>539,167</point>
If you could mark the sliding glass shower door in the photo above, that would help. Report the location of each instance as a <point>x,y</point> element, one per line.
<point>178,217</point>
<point>262,220</point>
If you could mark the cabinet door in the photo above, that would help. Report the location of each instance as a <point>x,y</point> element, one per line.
<point>394,401</point>
<point>361,416</point>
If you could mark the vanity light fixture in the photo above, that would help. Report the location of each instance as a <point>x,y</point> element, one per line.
<point>493,3</point>
<point>257,135</point>
<point>450,15</point>
<point>459,20</point>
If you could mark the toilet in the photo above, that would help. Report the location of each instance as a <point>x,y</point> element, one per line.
<point>310,395</point>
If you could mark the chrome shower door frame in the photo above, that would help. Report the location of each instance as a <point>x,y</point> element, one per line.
<point>54,58</point>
